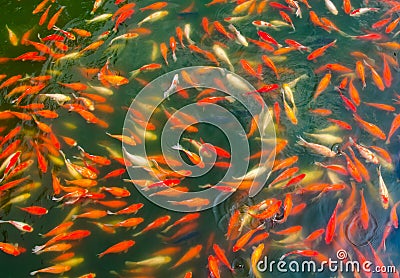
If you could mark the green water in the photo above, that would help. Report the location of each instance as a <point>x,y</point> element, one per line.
<point>212,225</point>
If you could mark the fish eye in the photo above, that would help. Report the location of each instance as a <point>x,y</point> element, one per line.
<point>240,267</point>
<point>336,148</point>
<point>279,215</point>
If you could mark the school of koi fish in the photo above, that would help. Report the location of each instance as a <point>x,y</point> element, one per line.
<point>340,114</point>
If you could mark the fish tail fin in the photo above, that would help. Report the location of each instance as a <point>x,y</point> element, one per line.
<point>166,229</point>
<point>33,273</point>
<point>177,147</point>
<point>301,141</point>
<point>231,99</point>
<point>73,217</point>
<point>37,248</point>
<point>137,234</point>
<point>80,149</point>
<point>134,73</point>
<point>111,213</point>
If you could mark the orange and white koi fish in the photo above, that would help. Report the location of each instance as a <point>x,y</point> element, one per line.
<point>360,11</point>
<point>194,158</point>
<point>317,148</point>
<point>368,155</point>
<point>383,191</point>
<point>19,225</point>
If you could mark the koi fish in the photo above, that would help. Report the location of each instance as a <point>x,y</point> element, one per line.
<point>55,269</point>
<point>12,36</point>
<point>370,128</point>
<point>189,255</point>
<point>172,87</point>
<point>35,210</point>
<point>383,192</point>
<point>361,11</point>
<point>154,17</point>
<point>151,262</point>
<point>364,214</point>
<point>320,51</point>
<point>159,222</point>
<point>11,249</point>
<point>122,246</point>
<point>23,227</point>
<point>331,226</point>
<point>319,149</point>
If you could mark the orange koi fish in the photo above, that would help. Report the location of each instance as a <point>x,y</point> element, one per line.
<point>40,7</point>
<point>116,191</point>
<point>122,246</point>
<point>130,222</point>
<point>44,16</point>
<point>213,267</point>
<point>55,269</point>
<point>387,75</point>
<point>376,77</point>
<point>364,214</point>
<point>35,210</point>
<point>331,226</point>
<point>189,255</point>
<point>220,253</point>
<point>54,18</point>
<point>93,214</point>
<point>11,249</point>
<point>370,128</point>
<point>354,95</point>
<point>314,235</point>
<point>159,222</point>
<point>154,6</point>
<point>323,84</point>
<point>320,51</point>
<point>246,66</point>
<point>187,218</point>
<point>360,71</point>
<point>394,220</point>
<point>290,230</point>
<point>194,158</point>
<point>242,241</point>
<point>12,37</point>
